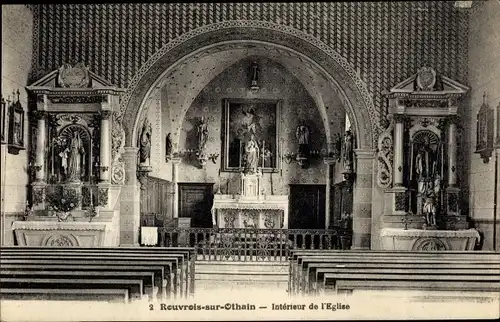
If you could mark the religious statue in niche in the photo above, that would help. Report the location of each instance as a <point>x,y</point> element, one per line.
<point>168,147</point>
<point>302,134</point>
<point>75,158</point>
<point>348,151</point>
<point>72,147</point>
<point>426,173</point>
<point>202,135</point>
<point>251,155</point>
<point>145,143</point>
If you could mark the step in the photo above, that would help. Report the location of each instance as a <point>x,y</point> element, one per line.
<point>240,286</point>
<point>248,265</point>
<point>243,269</point>
<point>242,277</point>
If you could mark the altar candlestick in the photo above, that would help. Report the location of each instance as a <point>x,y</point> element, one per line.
<point>263,153</point>
<point>91,197</point>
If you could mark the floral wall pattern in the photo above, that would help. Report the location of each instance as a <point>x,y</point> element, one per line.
<point>275,83</point>
<point>385,41</point>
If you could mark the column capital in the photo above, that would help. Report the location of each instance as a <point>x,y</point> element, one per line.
<point>176,161</point>
<point>365,153</point>
<point>400,118</point>
<point>105,114</point>
<point>329,160</point>
<point>39,114</point>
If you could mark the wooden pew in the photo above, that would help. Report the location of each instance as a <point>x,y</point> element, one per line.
<point>301,275</point>
<point>110,295</point>
<point>319,281</point>
<point>179,261</point>
<point>83,261</point>
<point>458,282</point>
<point>306,277</point>
<point>147,278</point>
<point>187,273</point>
<point>295,260</point>
<point>155,289</point>
<point>134,287</point>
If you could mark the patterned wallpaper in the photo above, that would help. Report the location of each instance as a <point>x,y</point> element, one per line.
<point>276,82</point>
<point>385,41</point>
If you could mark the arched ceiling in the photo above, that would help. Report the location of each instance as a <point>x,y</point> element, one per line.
<point>183,83</point>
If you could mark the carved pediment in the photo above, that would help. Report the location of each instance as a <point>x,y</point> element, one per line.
<point>70,80</point>
<point>428,81</point>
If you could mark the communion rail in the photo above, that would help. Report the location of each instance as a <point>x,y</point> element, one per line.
<point>251,244</point>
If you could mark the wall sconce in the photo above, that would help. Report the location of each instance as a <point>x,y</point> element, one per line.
<point>303,159</point>
<point>202,158</point>
<point>213,157</point>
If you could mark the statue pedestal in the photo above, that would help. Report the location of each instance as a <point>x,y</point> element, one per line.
<point>428,240</point>
<point>60,234</point>
<point>250,185</point>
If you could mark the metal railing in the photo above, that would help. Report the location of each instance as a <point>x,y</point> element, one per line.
<point>249,244</point>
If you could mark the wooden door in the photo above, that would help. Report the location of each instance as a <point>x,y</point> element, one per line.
<point>307,206</point>
<point>195,202</point>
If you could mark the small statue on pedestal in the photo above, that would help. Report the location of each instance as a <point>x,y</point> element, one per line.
<point>429,211</point>
<point>76,154</point>
<point>145,144</point>
<point>302,134</point>
<point>348,155</point>
<point>251,156</point>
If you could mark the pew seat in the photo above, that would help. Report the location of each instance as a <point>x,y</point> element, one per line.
<point>135,288</point>
<point>31,294</point>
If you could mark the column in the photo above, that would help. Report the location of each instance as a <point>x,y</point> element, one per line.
<point>362,199</point>
<point>105,146</point>
<point>41,141</point>
<point>130,200</point>
<point>175,180</point>
<point>398,150</point>
<point>329,162</point>
<point>452,153</point>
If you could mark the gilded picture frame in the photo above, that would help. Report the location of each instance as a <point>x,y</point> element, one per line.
<point>243,118</point>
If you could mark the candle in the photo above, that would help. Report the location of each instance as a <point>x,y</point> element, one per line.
<point>91,197</point>
<point>263,152</point>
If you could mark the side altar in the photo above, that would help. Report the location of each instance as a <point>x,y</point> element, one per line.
<point>418,166</point>
<point>74,187</point>
<point>250,209</point>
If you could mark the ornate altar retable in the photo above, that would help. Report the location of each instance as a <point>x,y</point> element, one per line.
<point>428,240</point>
<point>250,209</point>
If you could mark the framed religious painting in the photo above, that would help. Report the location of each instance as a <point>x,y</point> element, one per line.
<point>16,128</point>
<point>251,122</point>
<point>4,121</point>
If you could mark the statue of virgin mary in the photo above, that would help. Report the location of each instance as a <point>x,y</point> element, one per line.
<point>76,152</point>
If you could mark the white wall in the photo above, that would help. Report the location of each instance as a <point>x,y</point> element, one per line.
<point>484,77</point>
<point>17,31</point>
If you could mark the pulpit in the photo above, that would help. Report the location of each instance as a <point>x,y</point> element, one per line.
<point>250,209</point>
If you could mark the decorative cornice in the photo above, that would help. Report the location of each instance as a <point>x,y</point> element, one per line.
<point>49,225</point>
<point>395,232</point>
<point>53,91</point>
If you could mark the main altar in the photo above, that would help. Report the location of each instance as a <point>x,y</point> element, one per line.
<point>250,208</point>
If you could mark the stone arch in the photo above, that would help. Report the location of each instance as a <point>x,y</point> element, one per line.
<point>336,69</point>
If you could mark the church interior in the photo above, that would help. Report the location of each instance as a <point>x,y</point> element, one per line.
<point>170,149</point>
